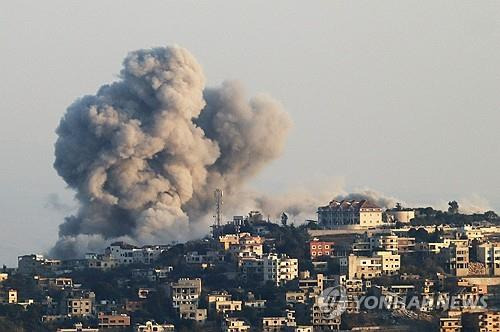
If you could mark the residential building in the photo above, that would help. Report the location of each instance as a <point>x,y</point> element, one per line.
<point>311,286</point>
<point>431,247</point>
<point>280,269</point>
<point>58,283</point>
<point>391,263</point>
<point>252,268</point>
<point>227,306</point>
<point>406,245</point>
<point>320,249</point>
<point>248,246</point>
<point>8,296</point>
<point>458,258</point>
<point>303,328</point>
<point>230,239</point>
<point>324,320</point>
<point>126,253</point>
<point>215,297</point>
<point>101,262</point>
<point>489,321</point>
<point>351,213</point>
<point>489,254</point>
<point>113,320</point>
<point>451,323</point>
<point>185,291</point>
<point>191,311</point>
<point>471,233</point>
<point>255,304</point>
<point>279,324</point>
<point>36,264</point>
<point>78,327</point>
<point>82,306</point>
<point>210,257</point>
<point>150,326</point>
<point>234,324</point>
<point>294,297</point>
<point>361,267</point>
<point>386,242</point>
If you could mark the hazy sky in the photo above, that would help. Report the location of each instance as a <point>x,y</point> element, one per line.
<point>399,96</point>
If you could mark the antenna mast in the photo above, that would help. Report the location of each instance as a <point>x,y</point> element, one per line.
<point>218,206</point>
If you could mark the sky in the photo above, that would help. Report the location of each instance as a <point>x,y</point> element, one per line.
<point>398,96</point>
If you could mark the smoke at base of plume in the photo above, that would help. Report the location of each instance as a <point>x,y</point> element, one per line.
<point>146,152</point>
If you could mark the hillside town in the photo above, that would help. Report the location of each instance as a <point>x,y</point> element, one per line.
<point>358,267</point>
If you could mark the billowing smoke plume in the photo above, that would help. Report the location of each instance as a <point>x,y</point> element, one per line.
<point>146,152</point>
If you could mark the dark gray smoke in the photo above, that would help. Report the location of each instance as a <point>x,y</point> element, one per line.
<point>146,152</point>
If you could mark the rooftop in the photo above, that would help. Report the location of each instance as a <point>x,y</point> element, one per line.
<point>349,205</point>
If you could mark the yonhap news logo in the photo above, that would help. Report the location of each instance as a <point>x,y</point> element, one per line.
<point>333,301</point>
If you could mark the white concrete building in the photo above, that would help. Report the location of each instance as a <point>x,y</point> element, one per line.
<point>125,253</point>
<point>280,269</point>
<point>234,324</point>
<point>489,255</point>
<point>154,327</point>
<point>390,263</point>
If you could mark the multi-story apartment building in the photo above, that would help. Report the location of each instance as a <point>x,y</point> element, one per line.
<point>82,306</point>
<point>185,291</point>
<point>252,268</point>
<point>247,246</point>
<point>489,321</point>
<point>361,267</point>
<point>471,233</point>
<point>406,245</point>
<point>457,258</point>
<point>320,249</point>
<point>101,262</point>
<point>362,214</point>
<point>311,286</point>
<point>279,324</point>
<point>489,254</point>
<point>451,323</point>
<point>126,253</point>
<point>431,247</point>
<point>229,240</point>
<point>324,320</point>
<point>364,267</point>
<point>391,263</point>
<point>280,269</point>
<point>386,242</point>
